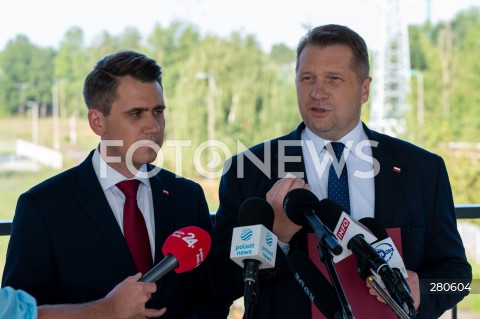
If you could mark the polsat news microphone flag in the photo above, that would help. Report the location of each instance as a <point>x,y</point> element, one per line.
<point>254,242</point>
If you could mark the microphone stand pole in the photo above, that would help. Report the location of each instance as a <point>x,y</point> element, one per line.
<point>327,258</point>
<point>327,243</point>
<point>372,280</point>
<point>250,292</point>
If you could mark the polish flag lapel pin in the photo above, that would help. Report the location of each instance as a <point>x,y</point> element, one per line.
<point>397,169</point>
<point>165,192</point>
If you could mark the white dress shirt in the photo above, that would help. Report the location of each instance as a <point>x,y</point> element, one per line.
<point>116,198</point>
<point>360,168</point>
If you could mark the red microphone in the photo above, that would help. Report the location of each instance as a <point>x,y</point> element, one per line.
<point>184,250</point>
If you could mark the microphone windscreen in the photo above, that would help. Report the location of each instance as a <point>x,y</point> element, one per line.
<point>296,201</point>
<point>189,245</point>
<point>375,226</point>
<point>256,211</point>
<point>314,284</point>
<point>330,212</point>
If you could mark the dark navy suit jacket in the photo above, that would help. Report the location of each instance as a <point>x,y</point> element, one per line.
<point>418,200</point>
<point>67,247</point>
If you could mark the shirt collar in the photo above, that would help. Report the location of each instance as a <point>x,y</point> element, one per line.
<point>110,177</point>
<point>350,140</point>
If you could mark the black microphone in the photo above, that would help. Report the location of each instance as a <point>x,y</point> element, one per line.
<point>254,245</point>
<point>301,206</point>
<point>395,283</point>
<point>357,244</point>
<point>367,256</point>
<point>384,245</point>
<point>313,283</point>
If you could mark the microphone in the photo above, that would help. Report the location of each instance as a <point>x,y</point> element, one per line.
<point>385,246</point>
<point>343,226</point>
<point>254,246</point>
<point>254,241</point>
<point>301,206</point>
<point>313,283</point>
<point>354,237</point>
<point>395,283</point>
<point>184,250</point>
<point>367,257</point>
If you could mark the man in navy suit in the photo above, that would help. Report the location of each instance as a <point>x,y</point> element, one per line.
<point>67,243</point>
<point>397,183</point>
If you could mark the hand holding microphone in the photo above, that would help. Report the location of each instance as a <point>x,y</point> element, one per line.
<point>184,250</point>
<point>284,228</point>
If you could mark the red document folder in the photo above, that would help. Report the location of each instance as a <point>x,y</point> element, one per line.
<point>364,305</point>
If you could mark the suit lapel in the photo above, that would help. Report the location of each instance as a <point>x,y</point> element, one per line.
<point>91,196</point>
<point>389,182</point>
<point>162,194</point>
<point>295,164</point>
<point>290,159</point>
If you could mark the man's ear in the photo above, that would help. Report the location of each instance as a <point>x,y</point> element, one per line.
<point>366,89</point>
<point>96,121</point>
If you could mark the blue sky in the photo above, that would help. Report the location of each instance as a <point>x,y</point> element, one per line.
<point>272,21</point>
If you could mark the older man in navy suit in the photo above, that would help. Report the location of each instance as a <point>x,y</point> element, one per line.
<point>69,238</point>
<point>397,183</point>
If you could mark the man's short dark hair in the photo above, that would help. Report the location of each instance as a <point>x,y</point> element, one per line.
<point>100,87</point>
<point>333,34</point>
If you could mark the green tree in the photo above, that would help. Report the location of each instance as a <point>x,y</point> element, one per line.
<point>71,64</point>
<point>26,76</point>
<point>465,95</point>
<point>282,55</point>
<point>447,55</point>
<point>130,39</point>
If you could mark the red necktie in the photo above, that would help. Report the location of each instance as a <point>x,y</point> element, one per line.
<point>134,227</point>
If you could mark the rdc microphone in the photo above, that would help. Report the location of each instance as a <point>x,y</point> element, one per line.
<point>314,284</point>
<point>369,260</point>
<point>184,250</point>
<point>254,245</point>
<point>343,226</point>
<point>302,207</point>
<point>385,246</point>
<point>395,283</point>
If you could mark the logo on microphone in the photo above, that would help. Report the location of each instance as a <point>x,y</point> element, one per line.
<point>385,251</point>
<point>343,228</point>
<point>269,239</point>
<point>246,234</point>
